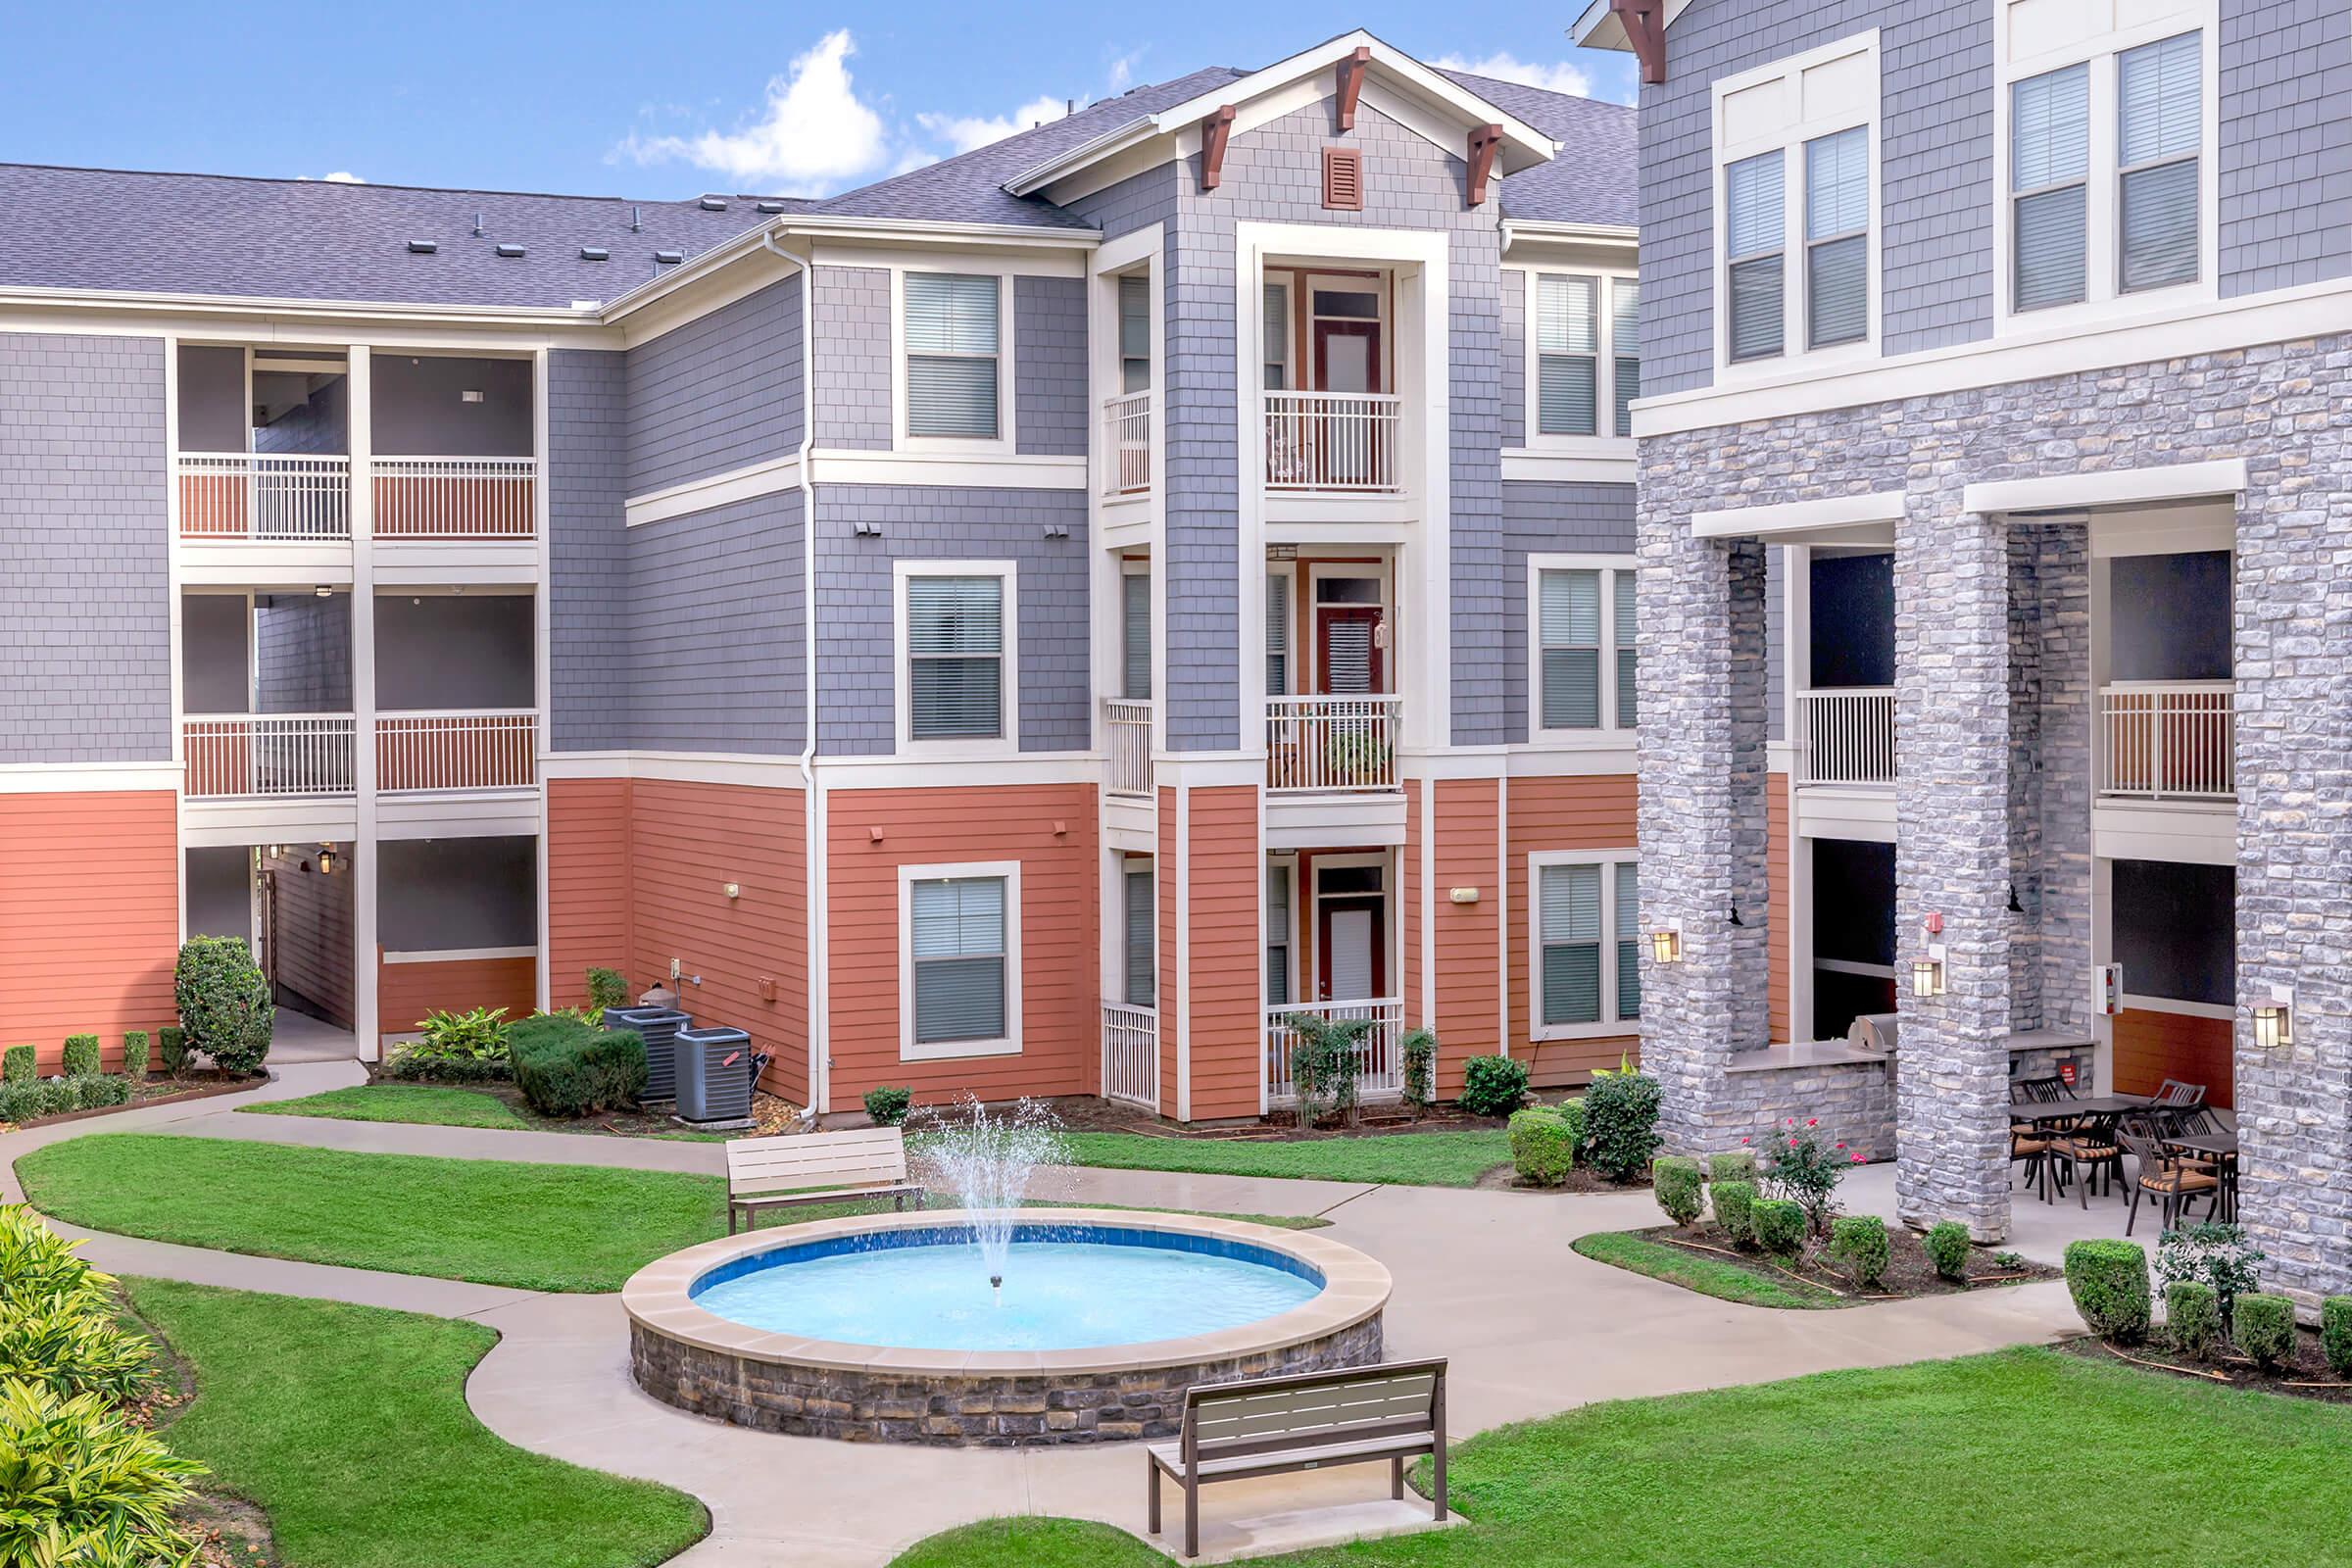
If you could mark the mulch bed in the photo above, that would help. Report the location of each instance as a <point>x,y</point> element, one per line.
<point>1580,1182</point>
<point>2308,1378</point>
<point>771,1114</point>
<point>1085,1114</point>
<point>196,1083</point>
<point>1909,1272</point>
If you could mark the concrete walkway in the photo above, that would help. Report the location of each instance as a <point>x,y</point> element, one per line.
<point>1484,1278</point>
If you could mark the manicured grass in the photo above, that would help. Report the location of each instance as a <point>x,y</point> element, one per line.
<point>1721,1278</point>
<point>1934,1466</point>
<point>347,1426</point>
<point>431,1103</point>
<point>1404,1159</point>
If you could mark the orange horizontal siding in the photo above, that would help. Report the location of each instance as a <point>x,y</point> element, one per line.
<point>407,991</point>
<point>89,917</point>
<point>2151,1047</point>
<point>1582,813</point>
<point>587,884</point>
<point>1225,868</point>
<point>1464,940</point>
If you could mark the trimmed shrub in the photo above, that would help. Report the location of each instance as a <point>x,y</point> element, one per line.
<point>607,988</point>
<point>1733,1166</point>
<point>1674,1180</point>
<point>888,1104</point>
<point>2109,1282</point>
<point>1734,1210</point>
<point>412,1065</point>
<point>2264,1327</point>
<point>19,1068</point>
<point>81,1055</point>
<point>1571,1111</point>
<point>223,1003</point>
<point>1861,1240</point>
<point>1541,1151</point>
<point>2335,1334</point>
<point>1621,1124</point>
<point>1325,1062</point>
<point>2192,1317</point>
<point>81,1478</point>
<point>1779,1225</point>
<point>1948,1248</point>
<point>1493,1086</point>
<point>569,1069</point>
<point>134,1054</point>
<point>1420,1070</point>
<point>172,1048</point>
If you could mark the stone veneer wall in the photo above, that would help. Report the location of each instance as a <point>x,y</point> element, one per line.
<point>1853,1101</point>
<point>2275,406</point>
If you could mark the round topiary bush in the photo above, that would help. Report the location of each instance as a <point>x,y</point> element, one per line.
<point>2335,1334</point>
<point>224,1003</point>
<point>2109,1282</point>
<point>1493,1086</point>
<point>2192,1318</point>
<point>1541,1148</point>
<point>2264,1327</point>
<point>1621,1124</point>
<point>888,1104</point>
<point>1779,1225</point>
<point>1674,1179</point>
<point>1861,1239</point>
<point>1734,1210</point>
<point>1948,1248</point>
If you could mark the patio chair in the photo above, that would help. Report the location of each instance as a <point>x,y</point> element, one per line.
<point>2173,1091</point>
<point>2085,1148</point>
<point>2171,1179</point>
<point>2028,1142</point>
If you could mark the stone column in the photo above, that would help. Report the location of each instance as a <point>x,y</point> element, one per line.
<point>1701,818</point>
<point>2049,775</point>
<point>1952,860</point>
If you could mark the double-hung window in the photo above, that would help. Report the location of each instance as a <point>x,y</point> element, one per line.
<point>1583,657</point>
<point>2160,98</point>
<point>1135,333</point>
<point>2049,170</point>
<point>1278,634</point>
<point>1140,958</point>
<point>955,667</point>
<point>952,339</point>
<point>1567,355</point>
<point>1838,239</point>
<point>960,960</point>
<point>1625,349</point>
<point>1585,918</point>
<point>1754,248</point>
<point>1278,935</point>
<point>1135,636</point>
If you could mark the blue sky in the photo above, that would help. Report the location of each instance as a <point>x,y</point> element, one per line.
<point>652,100</point>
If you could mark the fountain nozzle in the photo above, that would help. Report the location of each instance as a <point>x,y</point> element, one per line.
<point>996,1282</point>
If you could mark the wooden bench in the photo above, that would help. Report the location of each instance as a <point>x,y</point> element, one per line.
<point>1272,1426</point>
<point>817,1168</point>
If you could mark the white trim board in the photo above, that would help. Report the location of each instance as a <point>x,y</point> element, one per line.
<point>1010,1043</point>
<point>714,490</point>
<point>459,955</point>
<point>1884,507</point>
<point>2110,487</point>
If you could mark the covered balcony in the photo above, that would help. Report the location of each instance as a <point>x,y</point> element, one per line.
<point>1342,354</point>
<point>2166,731</point>
<point>1331,734</point>
<point>1844,707</point>
<point>1331,956</point>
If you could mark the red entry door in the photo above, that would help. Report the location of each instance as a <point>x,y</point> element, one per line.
<point>1348,658</point>
<point>1351,949</point>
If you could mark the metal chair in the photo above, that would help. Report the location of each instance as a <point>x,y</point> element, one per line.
<point>2173,1180</point>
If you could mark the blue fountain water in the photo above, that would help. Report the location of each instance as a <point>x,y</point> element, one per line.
<point>1065,1288</point>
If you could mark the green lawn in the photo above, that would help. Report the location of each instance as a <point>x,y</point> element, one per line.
<point>409,1102</point>
<point>2024,1456</point>
<point>347,1426</point>
<point>1404,1159</point>
<point>1721,1278</point>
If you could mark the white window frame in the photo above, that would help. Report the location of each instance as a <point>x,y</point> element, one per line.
<point>1010,1043</point>
<point>1785,83</point>
<point>2098,44</point>
<point>903,660</point>
<point>1287,572</point>
<point>1004,441</point>
<point>1603,442</point>
<point>1608,733</point>
<point>1609,1026</point>
<point>1286,867</point>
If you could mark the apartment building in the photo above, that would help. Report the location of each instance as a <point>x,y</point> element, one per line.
<point>1993,490</point>
<point>1026,627</point>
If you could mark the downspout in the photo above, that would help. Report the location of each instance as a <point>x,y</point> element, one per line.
<point>813,863</point>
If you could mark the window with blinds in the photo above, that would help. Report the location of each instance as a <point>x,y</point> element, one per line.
<point>952,350</point>
<point>1584,657</point>
<point>1135,635</point>
<point>1627,655</point>
<point>1628,896</point>
<point>1755,242</point>
<point>1625,349</point>
<point>1568,630</point>
<point>1278,935</point>
<point>955,657</point>
<point>2049,170</point>
<point>2158,88</point>
<point>1838,239</point>
<point>1587,961</point>
<point>1278,635</point>
<point>1568,354</point>
<point>1276,305</point>
<point>956,926</point>
<point>1140,954</point>
<point>1570,919</point>
<point>1135,333</point>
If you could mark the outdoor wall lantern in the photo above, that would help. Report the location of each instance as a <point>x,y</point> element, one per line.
<point>326,860</point>
<point>1666,945</point>
<point>2274,1026</point>
<point>1926,977</point>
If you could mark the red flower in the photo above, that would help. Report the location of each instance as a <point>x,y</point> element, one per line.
<point>1841,1145</point>
<point>1744,1139</point>
<point>1814,1122</point>
<point>1857,1159</point>
<point>1791,1143</point>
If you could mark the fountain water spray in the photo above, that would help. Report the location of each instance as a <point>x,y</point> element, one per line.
<point>987,1159</point>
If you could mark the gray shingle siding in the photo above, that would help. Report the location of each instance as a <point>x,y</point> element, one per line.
<point>1544,518</point>
<point>2286,143</point>
<point>1048,366</point>
<point>851,357</point>
<point>858,649</point>
<point>1514,357</point>
<point>588,571</point>
<point>717,644</point>
<point>86,642</point>
<point>719,393</point>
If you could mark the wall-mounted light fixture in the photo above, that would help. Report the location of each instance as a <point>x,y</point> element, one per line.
<point>733,890</point>
<point>1463,895</point>
<point>326,860</point>
<point>1927,974</point>
<point>1666,943</point>
<point>323,591</point>
<point>2275,1020</point>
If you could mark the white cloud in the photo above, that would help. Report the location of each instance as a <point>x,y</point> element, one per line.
<point>1557,78</point>
<point>963,132</point>
<point>344,177</point>
<point>813,133</point>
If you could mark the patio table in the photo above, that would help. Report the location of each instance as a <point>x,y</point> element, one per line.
<point>2095,1117</point>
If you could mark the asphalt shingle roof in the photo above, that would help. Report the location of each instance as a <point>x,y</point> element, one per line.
<point>1592,179</point>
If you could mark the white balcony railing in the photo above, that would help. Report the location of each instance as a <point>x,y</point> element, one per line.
<point>474,751</point>
<point>1131,1054</point>
<point>1848,735</point>
<point>251,495</point>
<point>1379,1055</point>
<point>454,498</point>
<point>2167,741</point>
<point>1331,743</point>
<point>1127,747</point>
<point>233,755</point>
<point>1346,441</point>
<point>1127,444</point>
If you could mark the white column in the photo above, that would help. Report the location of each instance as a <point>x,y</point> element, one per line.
<point>362,705</point>
<point>542,683</point>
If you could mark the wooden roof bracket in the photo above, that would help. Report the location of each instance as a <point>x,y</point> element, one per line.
<point>1216,128</point>
<point>1483,142</point>
<point>1645,29</point>
<point>1351,83</point>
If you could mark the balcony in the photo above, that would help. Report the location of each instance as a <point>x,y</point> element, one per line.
<point>263,496</point>
<point>1340,443</point>
<point>1846,737</point>
<point>467,499</point>
<point>249,756</point>
<point>1127,445</point>
<point>1131,1054</point>
<point>454,751</point>
<point>1332,745</point>
<point>1379,1055</point>
<point>1127,745</point>
<point>2167,741</point>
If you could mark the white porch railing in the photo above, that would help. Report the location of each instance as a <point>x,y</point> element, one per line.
<point>2167,740</point>
<point>1379,1056</point>
<point>248,495</point>
<point>1848,735</point>
<point>454,498</point>
<point>1131,1054</point>
<point>1332,440</point>
<point>231,754</point>
<point>1127,444</point>
<point>1331,743</point>
<point>476,751</point>
<point>1127,743</point>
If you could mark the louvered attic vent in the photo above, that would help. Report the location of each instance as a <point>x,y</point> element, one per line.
<point>771,207</point>
<point>668,257</point>
<point>714,204</point>
<point>424,247</point>
<point>1344,179</point>
<point>509,250</point>
<point>595,253</point>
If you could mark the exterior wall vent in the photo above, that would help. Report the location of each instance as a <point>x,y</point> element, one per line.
<point>668,257</point>
<point>595,253</point>
<point>424,247</point>
<point>714,204</point>
<point>509,250</point>
<point>1344,179</point>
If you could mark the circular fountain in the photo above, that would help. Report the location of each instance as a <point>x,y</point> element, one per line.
<point>993,1324</point>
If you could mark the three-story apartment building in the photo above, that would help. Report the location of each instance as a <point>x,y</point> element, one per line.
<point>1994,486</point>
<point>1027,626</point>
